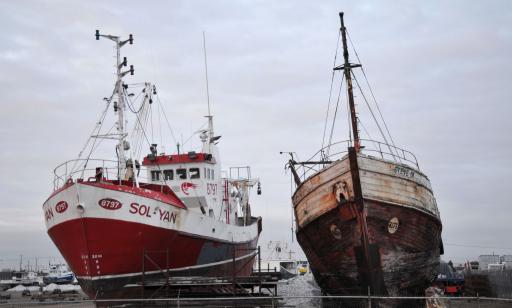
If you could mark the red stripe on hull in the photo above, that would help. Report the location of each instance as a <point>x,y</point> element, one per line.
<point>96,247</point>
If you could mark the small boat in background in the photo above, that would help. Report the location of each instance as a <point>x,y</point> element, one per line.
<point>278,258</point>
<point>26,278</point>
<point>302,267</point>
<point>59,274</point>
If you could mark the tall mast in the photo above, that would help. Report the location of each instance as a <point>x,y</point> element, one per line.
<point>209,116</point>
<point>122,145</point>
<point>347,69</point>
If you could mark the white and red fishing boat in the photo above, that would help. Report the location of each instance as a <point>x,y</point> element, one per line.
<point>117,221</point>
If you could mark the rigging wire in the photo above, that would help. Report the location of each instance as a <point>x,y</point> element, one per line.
<point>349,121</point>
<point>151,122</point>
<point>192,135</point>
<point>131,105</point>
<point>330,90</point>
<point>375,143</point>
<point>149,143</point>
<point>98,126</point>
<point>166,119</point>
<point>371,92</point>
<point>374,118</point>
<point>334,117</point>
<point>160,131</point>
<point>291,208</point>
<point>140,124</point>
<point>364,129</point>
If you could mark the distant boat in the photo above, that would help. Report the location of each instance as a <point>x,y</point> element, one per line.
<point>59,274</point>
<point>302,267</point>
<point>366,215</point>
<point>278,258</point>
<point>25,278</point>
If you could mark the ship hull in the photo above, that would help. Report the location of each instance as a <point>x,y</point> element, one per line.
<point>387,242</point>
<point>109,248</point>
<point>402,265</point>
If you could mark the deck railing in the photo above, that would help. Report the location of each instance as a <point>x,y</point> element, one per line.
<point>87,170</point>
<point>339,150</point>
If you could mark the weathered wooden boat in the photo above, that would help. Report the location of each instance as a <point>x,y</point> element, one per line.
<point>366,216</point>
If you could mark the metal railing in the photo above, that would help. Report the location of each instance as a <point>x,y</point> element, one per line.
<point>339,150</point>
<point>86,169</point>
<point>276,301</point>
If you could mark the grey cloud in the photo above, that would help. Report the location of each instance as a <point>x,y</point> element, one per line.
<point>440,70</point>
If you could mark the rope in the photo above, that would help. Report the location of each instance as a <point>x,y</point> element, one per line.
<point>374,118</point>
<point>167,120</point>
<point>371,92</point>
<point>98,126</point>
<point>192,135</point>
<point>151,122</point>
<point>334,117</point>
<point>330,91</point>
<point>160,130</point>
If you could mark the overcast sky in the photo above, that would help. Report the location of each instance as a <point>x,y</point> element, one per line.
<point>441,71</point>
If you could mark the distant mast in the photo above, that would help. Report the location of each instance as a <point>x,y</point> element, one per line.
<point>347,69</point>
<point>209,140</point>
<point>122,145</point>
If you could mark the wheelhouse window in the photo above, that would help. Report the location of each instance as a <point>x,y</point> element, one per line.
<point>155,175</point>
<point>213,174</point>
<point>194,173</point>
<point>181,174</point>
<point>169,175</point>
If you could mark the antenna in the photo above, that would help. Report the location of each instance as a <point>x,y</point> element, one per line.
<point>206,73</point>
<point>120,108</point>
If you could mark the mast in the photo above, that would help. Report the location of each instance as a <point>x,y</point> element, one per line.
<point>347,70</point>
<point>120,107</point>
<point>370,263</point>
<point>209,116</point>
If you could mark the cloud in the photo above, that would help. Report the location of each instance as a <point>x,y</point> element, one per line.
<point>440,71</point>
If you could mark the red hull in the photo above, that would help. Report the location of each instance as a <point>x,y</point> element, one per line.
<point>106,254</point>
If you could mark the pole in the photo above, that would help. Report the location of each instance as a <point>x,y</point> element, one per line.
<point>142,284</point>
<point>120,112</point>
<point>168,278</point>
<point>348,76</point>
<point>234,271</point>
<point>259,260</point>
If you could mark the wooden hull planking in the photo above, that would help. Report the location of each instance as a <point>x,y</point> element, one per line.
<point>398,217</point>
